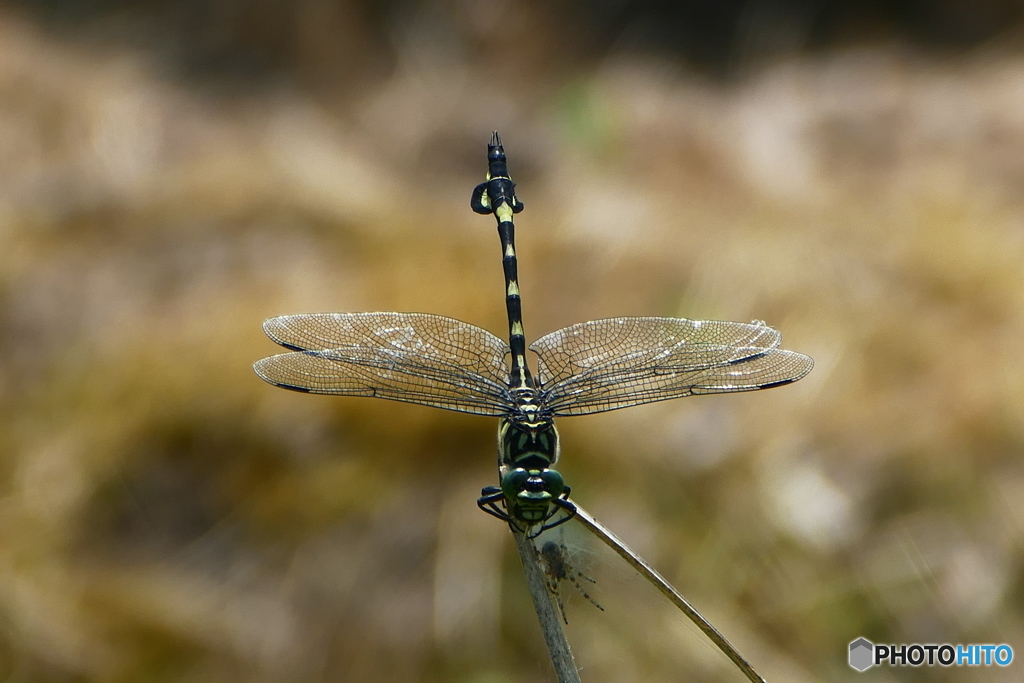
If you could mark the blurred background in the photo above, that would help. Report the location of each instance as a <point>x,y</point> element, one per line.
<point>171,174</point>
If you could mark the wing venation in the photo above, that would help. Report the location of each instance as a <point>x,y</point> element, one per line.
<point>614,363</point>
<point>411,357</point>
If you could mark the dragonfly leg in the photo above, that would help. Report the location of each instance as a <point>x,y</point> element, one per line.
<point>480,202</point>
<point>562,504</point>
<point>565,504</point>
<point>488,501</point>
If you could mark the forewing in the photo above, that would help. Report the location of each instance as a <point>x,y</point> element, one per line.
<point>411,357</point>
<point>614,363</point>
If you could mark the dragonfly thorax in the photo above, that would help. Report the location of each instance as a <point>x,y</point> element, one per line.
<point>528,441</point>
<point>527,406</point>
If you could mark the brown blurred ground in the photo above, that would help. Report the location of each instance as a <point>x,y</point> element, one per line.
<point>168,517</point>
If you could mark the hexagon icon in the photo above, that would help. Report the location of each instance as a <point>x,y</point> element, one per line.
<point>862,653</point>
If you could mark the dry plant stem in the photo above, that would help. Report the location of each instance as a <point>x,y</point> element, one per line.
<point>669,591</point>
<point>550,621</point>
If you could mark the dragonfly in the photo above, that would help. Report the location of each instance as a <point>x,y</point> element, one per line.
<point>586,368</point>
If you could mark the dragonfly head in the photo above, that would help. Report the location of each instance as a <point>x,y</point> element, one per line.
<point>529,493</point>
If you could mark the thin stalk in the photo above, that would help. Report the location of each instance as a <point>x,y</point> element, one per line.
<point>669,591</point>
<point>550,621</point>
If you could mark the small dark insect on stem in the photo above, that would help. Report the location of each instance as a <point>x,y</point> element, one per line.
<point>558,568</point>
<point>548,617</point>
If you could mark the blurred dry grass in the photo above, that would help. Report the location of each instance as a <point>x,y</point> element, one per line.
<point>166,516</point>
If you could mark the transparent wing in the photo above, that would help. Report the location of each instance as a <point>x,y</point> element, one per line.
<point>411,357</point>
<point>619,362</point>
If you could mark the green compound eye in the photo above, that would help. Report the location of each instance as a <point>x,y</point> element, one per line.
<point>553,482</point>
<point>514,481</point>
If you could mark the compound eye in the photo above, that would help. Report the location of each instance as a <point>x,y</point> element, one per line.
<point>514,481</point>
<point>553,482</point>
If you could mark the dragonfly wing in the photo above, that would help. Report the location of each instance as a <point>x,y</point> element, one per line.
<point>614,363</point>
<point>412,357</point>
